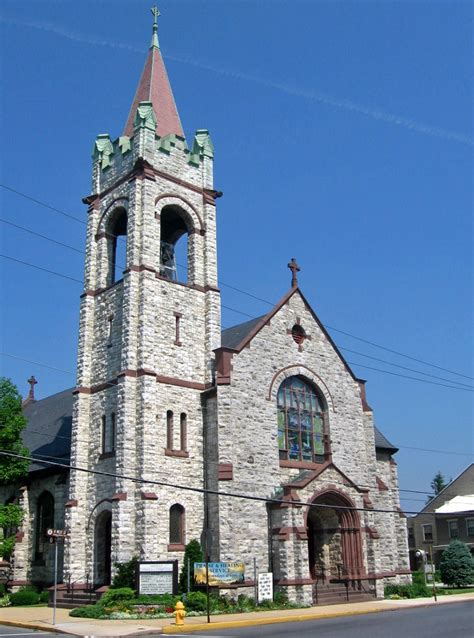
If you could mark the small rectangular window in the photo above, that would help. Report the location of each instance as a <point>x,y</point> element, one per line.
<point>104,434</point>
<point>470,526</point>
<point>453,529</point>
<point>108,434</point>
<point>112,432</point>
<point>427,532</point>
<point>183,431</point>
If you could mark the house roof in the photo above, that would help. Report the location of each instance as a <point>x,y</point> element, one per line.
<point>48,432</point>
<point>457,504</point>
<point>154,87</point>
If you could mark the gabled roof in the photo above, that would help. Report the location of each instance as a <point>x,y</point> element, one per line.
<point>48,432</point>
<point>154,87</point>
<point>250,329</point>
<point>442,494</point>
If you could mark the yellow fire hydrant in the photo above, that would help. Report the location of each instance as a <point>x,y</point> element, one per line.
<point>179,613</point>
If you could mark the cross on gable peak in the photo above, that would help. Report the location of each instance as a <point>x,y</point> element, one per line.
<point>293,266</point>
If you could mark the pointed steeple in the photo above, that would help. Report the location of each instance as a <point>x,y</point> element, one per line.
<point>154,87</point>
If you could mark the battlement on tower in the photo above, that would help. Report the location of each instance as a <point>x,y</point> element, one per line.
<point>169,154</point>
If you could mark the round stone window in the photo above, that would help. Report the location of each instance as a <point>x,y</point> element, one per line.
<point>298,333</point>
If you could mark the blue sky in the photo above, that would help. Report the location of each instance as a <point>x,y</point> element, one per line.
<point>343,135</point>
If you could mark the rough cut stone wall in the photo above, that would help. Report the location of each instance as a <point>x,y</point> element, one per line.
<point>131,362</point>
<point>247,435</point>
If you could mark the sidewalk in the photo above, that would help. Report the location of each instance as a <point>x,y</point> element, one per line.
<point>41,618</point>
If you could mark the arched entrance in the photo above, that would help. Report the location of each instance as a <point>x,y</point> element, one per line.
<point>334,542</point>
<point>102,547</point>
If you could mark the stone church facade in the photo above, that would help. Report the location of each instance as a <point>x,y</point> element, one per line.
<point>268,408</point>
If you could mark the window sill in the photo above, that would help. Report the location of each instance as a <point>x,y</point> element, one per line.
<point>178,453</point>
<point>176,547</point>
<point>309,465</point>
<point>106,455</point>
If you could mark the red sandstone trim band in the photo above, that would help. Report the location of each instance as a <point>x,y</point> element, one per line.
<point>149,496</point>
<point>119,496</point>
<point>178,453</point>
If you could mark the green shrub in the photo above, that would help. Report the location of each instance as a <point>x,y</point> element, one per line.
<point>193,552</point>
<point>44,597</point>
<point>245,603</point>
<point>89,611</point>
<point>4,600</point>
<point>117,595</point>
<point>196,601</point>
<point>167,600</point>
<point>416,590</point>
<point>281,598</point>
<point>456,566</point>
<point>24,597</point>
<point>125,574</point>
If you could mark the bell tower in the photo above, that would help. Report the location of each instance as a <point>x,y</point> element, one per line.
<point>149,322</point>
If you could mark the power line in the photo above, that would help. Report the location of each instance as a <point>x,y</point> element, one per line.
<point>199,490</point>
<point>266,301</point>
<point>51,272</point>
<point>404,376</point>
<point>82,252</point>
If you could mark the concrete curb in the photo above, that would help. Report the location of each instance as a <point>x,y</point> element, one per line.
<point>32,625</point>
<point>252,622</point>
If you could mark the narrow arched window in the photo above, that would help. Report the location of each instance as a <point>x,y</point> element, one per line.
<point>169,430</point>
<point>116,244</point>
<point>174,257</point>
<point>183,433</point>
<point>300,421</point>
<point>44,520</point>
<point>176,525</point>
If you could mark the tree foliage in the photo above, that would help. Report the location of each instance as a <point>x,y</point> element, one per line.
<point>12,423</point>
<point>457,565</point>
<point>437,484</point>
<point>193,553</point>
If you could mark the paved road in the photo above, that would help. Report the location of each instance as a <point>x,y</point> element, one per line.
<point>456,619</point>
<point>28,633</point>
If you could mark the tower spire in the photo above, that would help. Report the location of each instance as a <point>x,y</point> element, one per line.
<point>154,87</point>
<point>154,38</point>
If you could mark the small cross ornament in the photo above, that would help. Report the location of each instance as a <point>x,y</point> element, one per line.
<point>293,266</point>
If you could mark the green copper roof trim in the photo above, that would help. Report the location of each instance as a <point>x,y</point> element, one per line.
<point>154,38</point>
<point>145,117</point>
<point>202,147</point>
<point>124,144</point>
<point>103,150</point>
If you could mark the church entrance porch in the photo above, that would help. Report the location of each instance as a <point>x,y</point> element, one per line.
<point>334,542</point>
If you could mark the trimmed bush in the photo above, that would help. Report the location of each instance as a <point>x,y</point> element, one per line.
<point>90,611</point>
<point>44,597</point>
<point>117,595</point>
<point>456,566</point>
<point>416,590</point>
<point>24,597</point>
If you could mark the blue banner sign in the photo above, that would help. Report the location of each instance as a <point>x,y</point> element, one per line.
<point>219,573</point>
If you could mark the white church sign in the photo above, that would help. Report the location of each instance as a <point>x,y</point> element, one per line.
<point>158,577</point>
<point>265,587</point>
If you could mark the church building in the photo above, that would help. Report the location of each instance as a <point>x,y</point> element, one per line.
<point>164,398</point>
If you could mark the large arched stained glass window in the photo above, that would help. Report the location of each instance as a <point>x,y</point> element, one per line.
<point>300,421</point>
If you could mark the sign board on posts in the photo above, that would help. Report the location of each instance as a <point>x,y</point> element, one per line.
<point>219,573</point>
<point>265,587</point>
<point>157,577</point>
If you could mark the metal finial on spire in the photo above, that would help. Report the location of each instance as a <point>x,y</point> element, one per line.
<point>293,266</point>
<point>154,38</point>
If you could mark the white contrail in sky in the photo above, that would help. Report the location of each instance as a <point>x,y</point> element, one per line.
<point>308,94</point>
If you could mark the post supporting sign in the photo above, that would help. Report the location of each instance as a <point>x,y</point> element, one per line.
<point>55,535</point>
<point>157,577</point>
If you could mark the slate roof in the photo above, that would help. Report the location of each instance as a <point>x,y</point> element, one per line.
<point>382,443</point>
<point>48,432</point>
<point>231,337</point>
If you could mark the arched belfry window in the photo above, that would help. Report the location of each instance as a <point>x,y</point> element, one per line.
<point>174,253</point>
<point>300,421</point>
<point>116,244</point>
<point>44,520</point>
